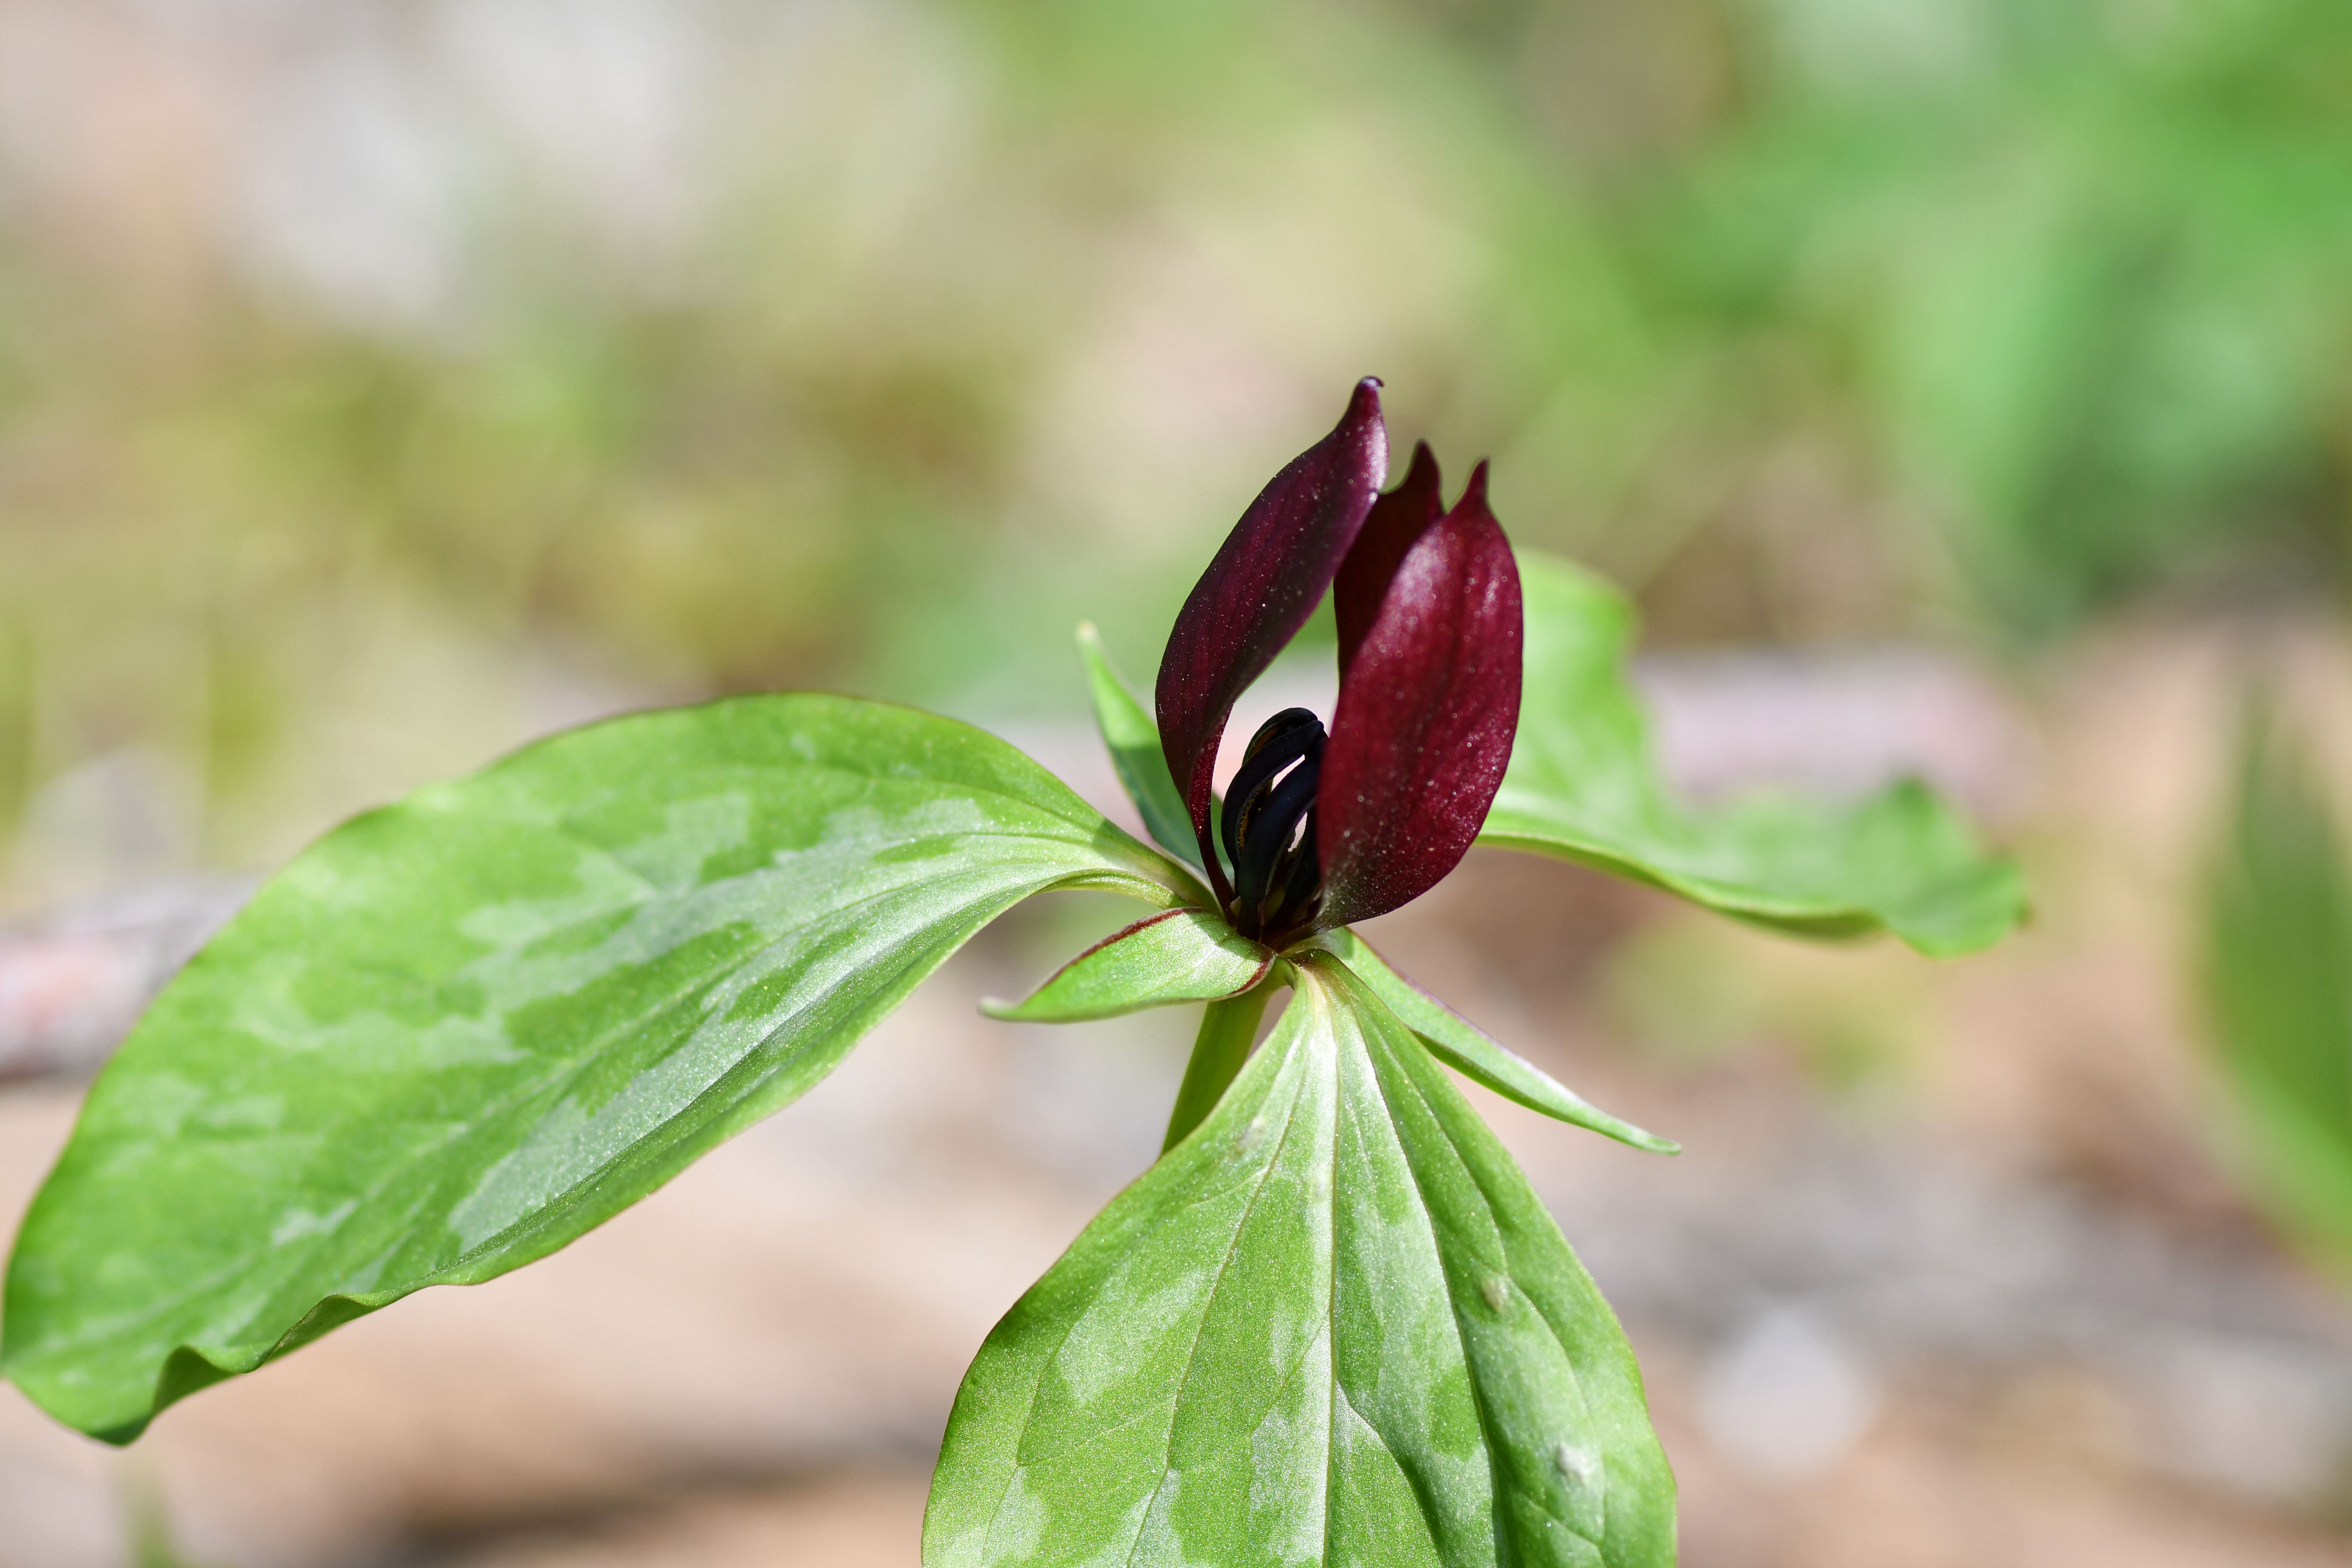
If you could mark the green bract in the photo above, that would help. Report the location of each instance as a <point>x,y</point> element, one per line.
<point>1332,1325</point>
<point>459,1032</point>
<point>1582,785</point>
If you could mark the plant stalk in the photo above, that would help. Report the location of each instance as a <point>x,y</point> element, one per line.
<point>1228,1029</point>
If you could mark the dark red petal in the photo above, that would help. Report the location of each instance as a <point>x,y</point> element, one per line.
<point>1259,590</point>
<point>1427,710</point>
<point>1397,519</point>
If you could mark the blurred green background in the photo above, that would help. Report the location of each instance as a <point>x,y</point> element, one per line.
<point>378,381</point>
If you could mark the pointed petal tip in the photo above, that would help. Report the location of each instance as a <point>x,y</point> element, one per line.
<point>1396,518</point>
<point>1259,589</point>
<point>1365,424</point>
<point>1473,493</point>
<point>1429,704</point>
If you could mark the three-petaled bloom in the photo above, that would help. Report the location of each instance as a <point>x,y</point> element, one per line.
<point>1325,829</point>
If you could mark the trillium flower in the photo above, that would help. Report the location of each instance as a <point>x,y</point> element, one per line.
<point>1325,828</point>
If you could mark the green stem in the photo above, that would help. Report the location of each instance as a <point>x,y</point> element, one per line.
<point>1228,1029</point>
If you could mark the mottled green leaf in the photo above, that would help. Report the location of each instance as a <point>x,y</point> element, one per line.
<point>1132,737</point>
<point>1332,1326</point>
<point>1472,1052</point>
<point>2278,973</point>
<point>1220,1048</point>
<point>1583,785</point>
<point>459,1032</point>
<point>1176,956</point>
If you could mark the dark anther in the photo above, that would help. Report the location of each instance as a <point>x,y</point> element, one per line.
<point>1268,825</point>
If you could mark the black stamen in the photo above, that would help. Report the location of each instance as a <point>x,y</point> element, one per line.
<point>1298,886</point>
<point>1268,832</point>
<point>1280,741</point>
<point>1277,874</point>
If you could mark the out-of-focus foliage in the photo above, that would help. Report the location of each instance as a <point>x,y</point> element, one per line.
<point>2279,985</point>
<point>381,382</point>
<point>2074,270</point>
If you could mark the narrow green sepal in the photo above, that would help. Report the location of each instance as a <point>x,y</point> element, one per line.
<point>1176,956</point>
<point>1132,737</point>
<point>1476,1054</point>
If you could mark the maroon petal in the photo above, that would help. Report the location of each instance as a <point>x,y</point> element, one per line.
<point>1257,593</point>
<point>1397,519</point>
<point>1427,710</point>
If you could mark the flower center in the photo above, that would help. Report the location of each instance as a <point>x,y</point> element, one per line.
<point>1268,826</point>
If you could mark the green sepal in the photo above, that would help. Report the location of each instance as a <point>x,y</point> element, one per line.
<point>1175,955</point>
<point>1132,737</point>
<point>459,1032</point>
<point>1333,1325</point>
<point>1583,785</point>
<point>1477,1055</point>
